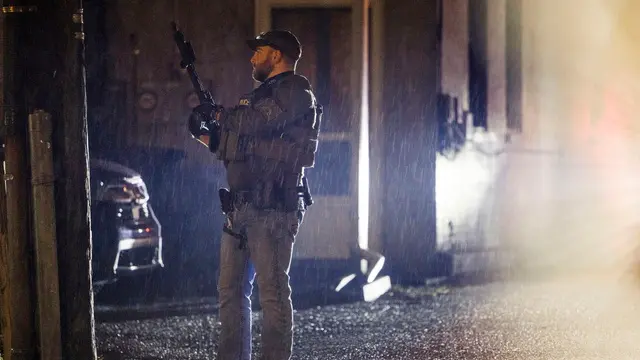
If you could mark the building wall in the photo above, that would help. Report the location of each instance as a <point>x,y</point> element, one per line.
<point>562,195</point>
<point>411,60</point>
<point>496,66</point>
<point>454,68</point>
<point>467,182</point>
<point>218,32</point>
<point>144,57</point>
<point>573,196</point>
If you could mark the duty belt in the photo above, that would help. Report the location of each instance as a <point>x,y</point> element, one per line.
<point>230,199</point>
<point>248,196</point>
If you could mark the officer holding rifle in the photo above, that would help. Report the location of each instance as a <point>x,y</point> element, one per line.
<point>265,142</point>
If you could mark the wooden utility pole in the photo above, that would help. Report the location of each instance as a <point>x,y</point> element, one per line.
<point>71,161</point>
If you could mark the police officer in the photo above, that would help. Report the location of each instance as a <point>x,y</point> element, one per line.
<point>265,142</point>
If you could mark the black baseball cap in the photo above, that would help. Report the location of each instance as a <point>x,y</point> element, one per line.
<point>282,40</point>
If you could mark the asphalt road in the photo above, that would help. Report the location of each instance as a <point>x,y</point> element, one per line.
<point>571,318</point>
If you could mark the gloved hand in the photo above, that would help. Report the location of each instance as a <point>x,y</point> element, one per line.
<point>202,120</point>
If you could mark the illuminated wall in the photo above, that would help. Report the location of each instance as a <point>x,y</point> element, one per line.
<point>467,183</point>
<point>565,193</point>
<point>572,201</point>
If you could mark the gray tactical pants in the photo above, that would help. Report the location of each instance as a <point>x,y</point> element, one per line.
<point>266,257</point>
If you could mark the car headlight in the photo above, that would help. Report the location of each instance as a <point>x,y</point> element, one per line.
<point>132,189</point>
<point>138,187</point>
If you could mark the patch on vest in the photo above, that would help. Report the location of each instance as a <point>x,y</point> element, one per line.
<point>244,102</point>
<point>269,108</point>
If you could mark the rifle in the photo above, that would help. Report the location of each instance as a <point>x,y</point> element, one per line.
<point>188,62</point>
<point>207,107</point>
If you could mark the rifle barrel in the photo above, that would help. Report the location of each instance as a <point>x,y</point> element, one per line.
<point>188,58</point>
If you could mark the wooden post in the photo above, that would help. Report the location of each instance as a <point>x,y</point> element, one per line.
<point>15,250</point>
<point>44,234</point>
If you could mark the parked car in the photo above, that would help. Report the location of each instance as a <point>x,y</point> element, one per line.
<point>127,237</point>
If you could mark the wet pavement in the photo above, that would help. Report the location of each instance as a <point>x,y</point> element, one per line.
<point>569,318</point>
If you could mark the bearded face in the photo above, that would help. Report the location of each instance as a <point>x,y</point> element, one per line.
<point>262,63</point>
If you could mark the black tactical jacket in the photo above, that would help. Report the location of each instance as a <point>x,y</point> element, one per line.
<point>271,134</point>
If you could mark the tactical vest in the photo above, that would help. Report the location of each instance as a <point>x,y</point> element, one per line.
<point>293,145</point>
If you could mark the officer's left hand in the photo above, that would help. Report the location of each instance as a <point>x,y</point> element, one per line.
<point>203,119</point>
